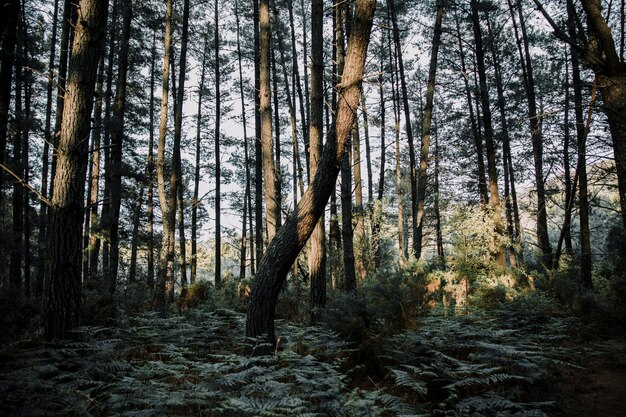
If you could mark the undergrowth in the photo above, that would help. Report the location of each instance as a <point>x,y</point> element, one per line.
<point>194,364</point>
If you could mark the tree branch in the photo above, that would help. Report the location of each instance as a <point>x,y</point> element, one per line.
<point>27,186</point>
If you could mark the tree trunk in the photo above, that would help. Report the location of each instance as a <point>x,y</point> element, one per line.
<point>581,166</point>
<point>478,142</point>
<point>368,153</point>
<point>347,234</point>
<point>543,238</point>
<point>7,56</point>
<point>506,168</point>
<point>439,236</point>
<point>426,132</point>
<point>132,272</point>
<point>408,128</point>
<point>106,205</point>
<point>358,201</point>
<point>17,206</point>
<point>165,260</point>
<point>258,150</point>
<point>117,140</point>
<point>494,194</point>
<point>247,162</point>
<point>150,169</point>
<point>48,140</point>
<point>298,85</point>
<point>291,238</point>
<point>272,210</point>
<point>402,249</point>
<point>196,182</point>
<point>63,278</point>
<point>317,254</point>
<point>218,179</point>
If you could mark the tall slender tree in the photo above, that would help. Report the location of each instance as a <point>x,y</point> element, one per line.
<point>426,130</point>
<point>63,276</point>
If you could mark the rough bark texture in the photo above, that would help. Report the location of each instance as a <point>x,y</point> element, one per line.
<point>272,209</point>
<point>291,238</point>
<point>63,276</point>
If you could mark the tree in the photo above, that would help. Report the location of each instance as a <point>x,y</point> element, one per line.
<point>494,194</point>
<point>218,115</point>
<point>272,208</point>
<point>598,50</point>
<point>317,255</point>
<point>426,131</point>
<point>543,239</point>
<point>7,57</point>
<point>117,139</point>
<point>63,277</point>
<point>408,127</point>
<point>292,236</point>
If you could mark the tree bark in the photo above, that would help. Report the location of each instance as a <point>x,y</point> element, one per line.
<point>543,238</point>
<point>408,128</point>
<point>9,39</point>
<point>291,238</point>
<point>298,85</point>
<point>166,256</point>
<point>247,193</point>
<point>218,175</point>
<point>317,254</point>
<point>117,141</point>
<point>150,169</point>
<point>581,166</point>
<point>258,150</point>
<point>196,182</point>
<point>426,132</point>
<point>506,167</point>
<point>48,140</point>
<point>494,193</point>
<point>272,209</point>
<point>478,142</point>
<point>63,277</point>
<point>134,244</point>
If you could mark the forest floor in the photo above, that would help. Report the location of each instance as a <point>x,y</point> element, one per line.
<point>509,363</point>
<point>599,389</point>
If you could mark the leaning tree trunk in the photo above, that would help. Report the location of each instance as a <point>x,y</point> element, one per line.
<point>291,238</point>
<point>63,277</point>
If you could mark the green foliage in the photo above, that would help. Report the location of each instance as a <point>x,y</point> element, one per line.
<point>473,365</point>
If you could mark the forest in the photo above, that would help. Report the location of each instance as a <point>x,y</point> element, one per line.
<point>312,208</point>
